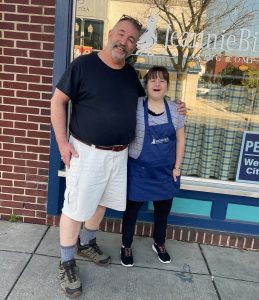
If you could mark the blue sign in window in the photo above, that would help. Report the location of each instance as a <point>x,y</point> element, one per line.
<point>248,166</point>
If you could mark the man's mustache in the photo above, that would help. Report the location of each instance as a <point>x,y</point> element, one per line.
<point>123,47</point>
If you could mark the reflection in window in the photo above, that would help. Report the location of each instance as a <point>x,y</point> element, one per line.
<point>88,36</point>
<point>220,106</point>
<point>161,37</point>
<point>220,109</point>
<point>77,31</point>
<point>223,110</point>
<point>93,34</point>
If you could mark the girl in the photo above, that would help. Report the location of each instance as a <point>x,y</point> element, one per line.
<point>154,163</point>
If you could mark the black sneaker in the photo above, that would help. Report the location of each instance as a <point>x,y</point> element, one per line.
<point>93,252</point>
<point>162,254</point>
<point>126,257</point>
<point>69,279</point>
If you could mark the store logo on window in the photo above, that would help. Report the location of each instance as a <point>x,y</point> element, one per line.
<point>245,41</point>
<point>149,38</point>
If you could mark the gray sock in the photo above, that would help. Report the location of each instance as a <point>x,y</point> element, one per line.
<point>67,252</point>
<point>87,235</point>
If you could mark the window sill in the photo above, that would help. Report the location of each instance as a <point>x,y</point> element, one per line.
<point>220,187</point>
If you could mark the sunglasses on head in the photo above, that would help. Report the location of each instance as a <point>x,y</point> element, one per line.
<point>135,22</point>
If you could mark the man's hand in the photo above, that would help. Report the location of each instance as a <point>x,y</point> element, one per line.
<point>181,107</point>
<point>58,119</point>
<point>67,150</point>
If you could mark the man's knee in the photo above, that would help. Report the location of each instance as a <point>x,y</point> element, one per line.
<point>95,220</point>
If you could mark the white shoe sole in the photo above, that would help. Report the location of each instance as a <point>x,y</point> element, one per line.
<point>127,266</point>
<point>163,262</point>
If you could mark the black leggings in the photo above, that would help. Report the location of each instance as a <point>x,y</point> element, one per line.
<point>161,211</point>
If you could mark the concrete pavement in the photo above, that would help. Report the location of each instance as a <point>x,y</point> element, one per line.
<point>29,257</point>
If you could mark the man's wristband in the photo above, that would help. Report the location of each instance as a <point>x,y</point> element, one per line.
<point>177,168</point>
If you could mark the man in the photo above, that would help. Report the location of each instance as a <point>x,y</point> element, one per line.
<point>103,90</point>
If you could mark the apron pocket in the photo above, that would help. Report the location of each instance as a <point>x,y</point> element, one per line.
<point>151,172</point>
<point>159,172</point>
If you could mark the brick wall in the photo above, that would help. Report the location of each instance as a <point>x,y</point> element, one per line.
<point>26,61</point>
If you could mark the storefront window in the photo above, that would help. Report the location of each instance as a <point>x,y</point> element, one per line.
<point>214,70</point>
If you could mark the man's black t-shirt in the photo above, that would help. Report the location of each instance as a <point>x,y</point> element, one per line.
<point>104,100</point>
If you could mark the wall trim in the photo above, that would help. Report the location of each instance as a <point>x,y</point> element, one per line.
<point>187,234</point>
<point>184,234</point>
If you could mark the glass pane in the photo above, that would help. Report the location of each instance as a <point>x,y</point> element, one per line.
<point>213,60</point>
<point>78,28</point>
<point>93,34</point>
<point>89,26</point>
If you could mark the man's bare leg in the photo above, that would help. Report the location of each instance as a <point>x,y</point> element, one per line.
<point>87,246</point>
<point>69,230</point>
<point>96,219</point>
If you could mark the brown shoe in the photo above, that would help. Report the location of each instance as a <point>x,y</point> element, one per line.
<point>69,280</point>
<point>93,252</point>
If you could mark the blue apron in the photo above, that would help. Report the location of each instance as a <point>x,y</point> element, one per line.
<point>150,175</point>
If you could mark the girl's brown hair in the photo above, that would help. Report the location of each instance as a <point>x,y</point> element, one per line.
<point>154,72</point>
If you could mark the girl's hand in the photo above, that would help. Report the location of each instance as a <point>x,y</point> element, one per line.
<point>176,173</point>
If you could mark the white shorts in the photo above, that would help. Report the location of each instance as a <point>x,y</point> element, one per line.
<point>96,177</point>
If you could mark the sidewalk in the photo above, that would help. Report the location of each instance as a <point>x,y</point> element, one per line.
<point>29,257</point>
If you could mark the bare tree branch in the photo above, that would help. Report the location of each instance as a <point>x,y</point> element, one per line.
<point>197,18</point>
